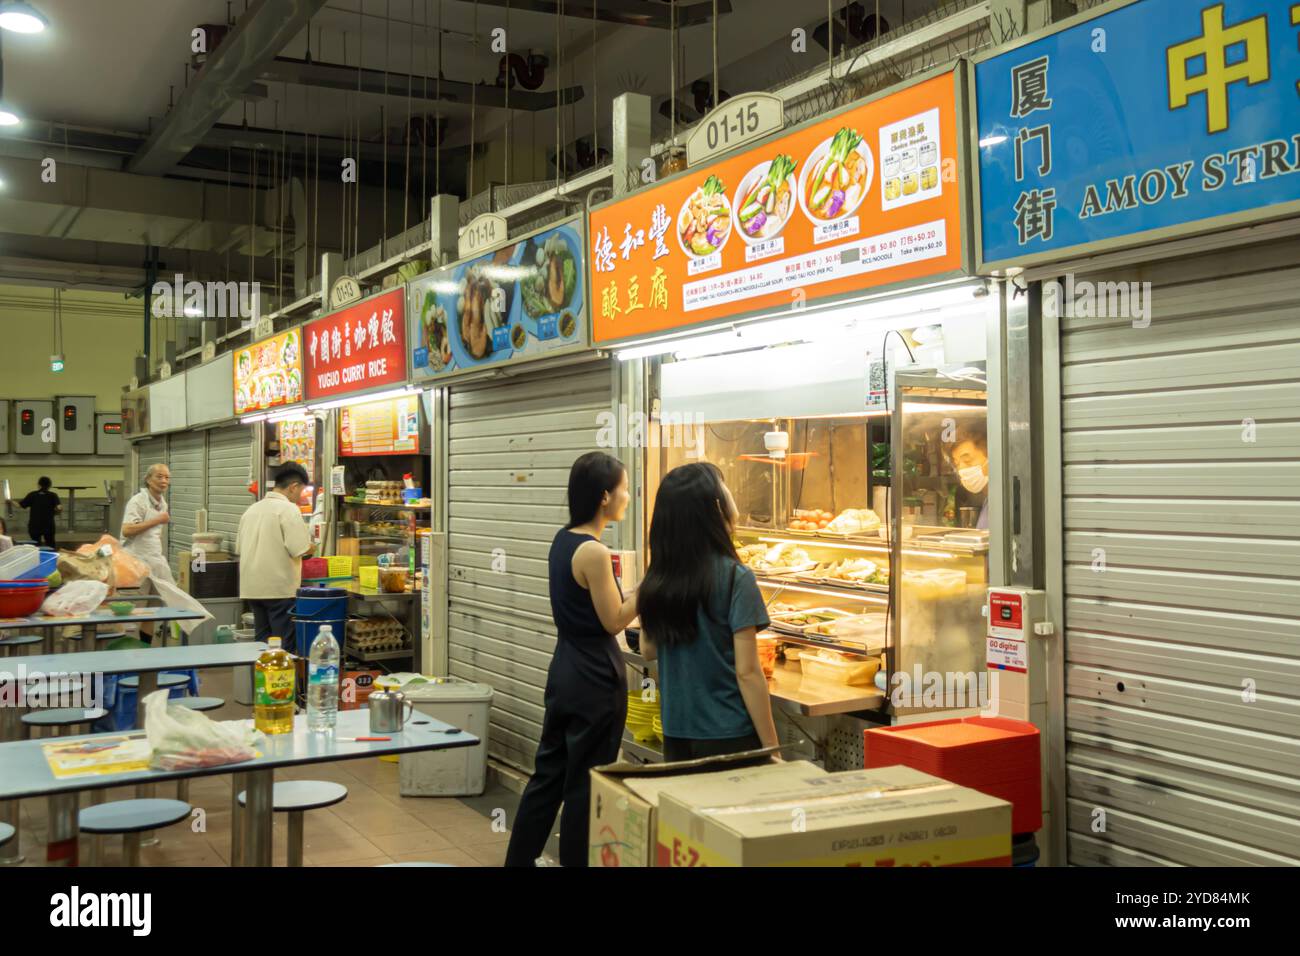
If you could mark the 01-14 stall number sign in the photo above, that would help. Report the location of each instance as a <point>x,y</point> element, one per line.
<point>357,348</point>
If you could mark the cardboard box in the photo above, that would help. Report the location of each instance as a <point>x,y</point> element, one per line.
<point>891,816</point>
<point>625,797</point>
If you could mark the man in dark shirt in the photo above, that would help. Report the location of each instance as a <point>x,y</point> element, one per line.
<point>43,505</point>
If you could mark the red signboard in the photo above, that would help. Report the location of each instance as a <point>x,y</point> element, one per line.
<point>357,348</point>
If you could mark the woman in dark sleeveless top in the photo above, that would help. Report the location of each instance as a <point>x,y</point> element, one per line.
<point>586,686</point>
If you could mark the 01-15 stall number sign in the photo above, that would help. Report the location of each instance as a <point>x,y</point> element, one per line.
<point>357,348</point>
<point>868,197</point>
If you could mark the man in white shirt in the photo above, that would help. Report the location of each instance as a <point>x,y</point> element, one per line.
<point>271,543</point>
<point>143,520</point>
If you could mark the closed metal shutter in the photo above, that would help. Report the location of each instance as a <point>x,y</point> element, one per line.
<point>185,458</point>
<point>511,446</point>
<point>151,451</point>
<point>228,476</point>
<point>1181,477</point>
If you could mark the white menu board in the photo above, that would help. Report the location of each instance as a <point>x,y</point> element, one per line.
<point>167,405</point>
<point>208,395</point>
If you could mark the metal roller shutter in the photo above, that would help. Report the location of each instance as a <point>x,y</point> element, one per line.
<point>1181,477</point>
<point>511,446</point>
<point>151,451</point>
<point>228,476</point>
<point>186,458</point>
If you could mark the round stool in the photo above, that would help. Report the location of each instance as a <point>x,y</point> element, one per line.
<point>131,818</point>
<point>12,646</point>
<point>6,833</point>
<point>200,703</point>
<point>60,717</point>
<point>165,680</point>
<point>110,635</point>
<point>296,797</point>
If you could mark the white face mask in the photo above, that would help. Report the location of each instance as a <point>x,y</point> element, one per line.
<point>973,479</point>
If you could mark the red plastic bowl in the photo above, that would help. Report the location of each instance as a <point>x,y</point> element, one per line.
<point>21,602</point>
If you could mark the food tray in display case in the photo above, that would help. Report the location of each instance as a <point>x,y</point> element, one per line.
<point>796,622</point>
<point>859,630</point>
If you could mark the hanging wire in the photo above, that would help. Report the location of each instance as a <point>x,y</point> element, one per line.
<point>715,54</point>
<point>424,121</point>
<point>356,186</point>
<point>473,91</point>
<point>410,70</point>
<point>559,63</point>
<point>595,92</point>
<point>510,117</point>
<point>437,125</point>
<point>672,68</point>
<point>383,132</point>
<point>347,129</point>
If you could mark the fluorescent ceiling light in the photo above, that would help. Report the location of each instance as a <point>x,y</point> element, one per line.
<point>194,312</point>
<point>992,141</point>
<point>21,17</point>
<point>364,399</point>
<point>830,325</point>
<point>294,414</point>
<point>250,419</point>
<point>8,117</point>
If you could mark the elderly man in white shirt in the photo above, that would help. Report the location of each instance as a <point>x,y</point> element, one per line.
<point>143,520</point>
<point>272,541</point>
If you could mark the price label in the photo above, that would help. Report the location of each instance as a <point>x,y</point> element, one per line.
<point>344,291</point>
<point>483,231</point>
<point>165,370</point>
<point>209,351</point>
<point>741,119</point>
<point>264,329</point>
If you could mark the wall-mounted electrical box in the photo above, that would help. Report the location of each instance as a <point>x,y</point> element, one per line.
<point>108,434</point>
<point>4,426</point>
<point>33,424</point>
<point>76,414</point>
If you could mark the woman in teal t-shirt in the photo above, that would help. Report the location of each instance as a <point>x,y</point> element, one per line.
<point>700,611</point>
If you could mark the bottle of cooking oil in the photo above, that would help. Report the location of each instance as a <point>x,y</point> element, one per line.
<point>273,676</point>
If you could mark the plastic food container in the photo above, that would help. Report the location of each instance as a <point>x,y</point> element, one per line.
<point>392,580</point>
<point>823,665</point>
<point>767,655</point>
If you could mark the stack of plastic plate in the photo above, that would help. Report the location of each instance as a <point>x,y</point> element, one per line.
<point>641,716</point>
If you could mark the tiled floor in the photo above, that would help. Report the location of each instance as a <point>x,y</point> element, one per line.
<point>374,825</point>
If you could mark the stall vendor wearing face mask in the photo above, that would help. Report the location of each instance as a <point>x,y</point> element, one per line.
<point>970,459</point>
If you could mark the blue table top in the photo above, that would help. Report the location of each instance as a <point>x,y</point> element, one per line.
<point>24,771</point>
<point>142,615</point>
<point>134,661</point>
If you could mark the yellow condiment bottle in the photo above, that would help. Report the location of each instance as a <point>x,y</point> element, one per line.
<point>273,698</point>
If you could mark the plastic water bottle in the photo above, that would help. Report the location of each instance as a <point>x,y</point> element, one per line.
<point>323,681</point>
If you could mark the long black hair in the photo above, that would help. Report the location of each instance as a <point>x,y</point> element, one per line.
<point>590,477</point>
<point>687,533</point>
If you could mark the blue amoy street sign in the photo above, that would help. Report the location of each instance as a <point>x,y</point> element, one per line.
<point>1157,114</point>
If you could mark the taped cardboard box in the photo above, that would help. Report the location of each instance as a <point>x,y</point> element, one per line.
<point>624,797</point>
<point>890,816</point>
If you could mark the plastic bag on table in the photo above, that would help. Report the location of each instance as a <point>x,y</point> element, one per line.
<point>184,739</point>
<point>92,566</point>
<point>75,598</point>
<point>128,570</point>
<point>174,597</point>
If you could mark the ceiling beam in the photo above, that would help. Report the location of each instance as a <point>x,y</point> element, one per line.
<point>334,76</point>
<point>262,32</point>
<point>636,13</point>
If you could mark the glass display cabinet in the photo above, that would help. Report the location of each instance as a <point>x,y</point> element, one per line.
<point>863,538</point>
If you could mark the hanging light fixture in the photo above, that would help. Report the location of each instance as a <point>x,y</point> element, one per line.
<point>8,117</point>
<point>21,17</point>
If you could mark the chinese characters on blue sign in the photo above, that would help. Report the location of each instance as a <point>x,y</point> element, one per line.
<point>1158,114</point>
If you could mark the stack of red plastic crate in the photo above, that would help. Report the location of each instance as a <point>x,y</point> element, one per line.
<point>993,755</point>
